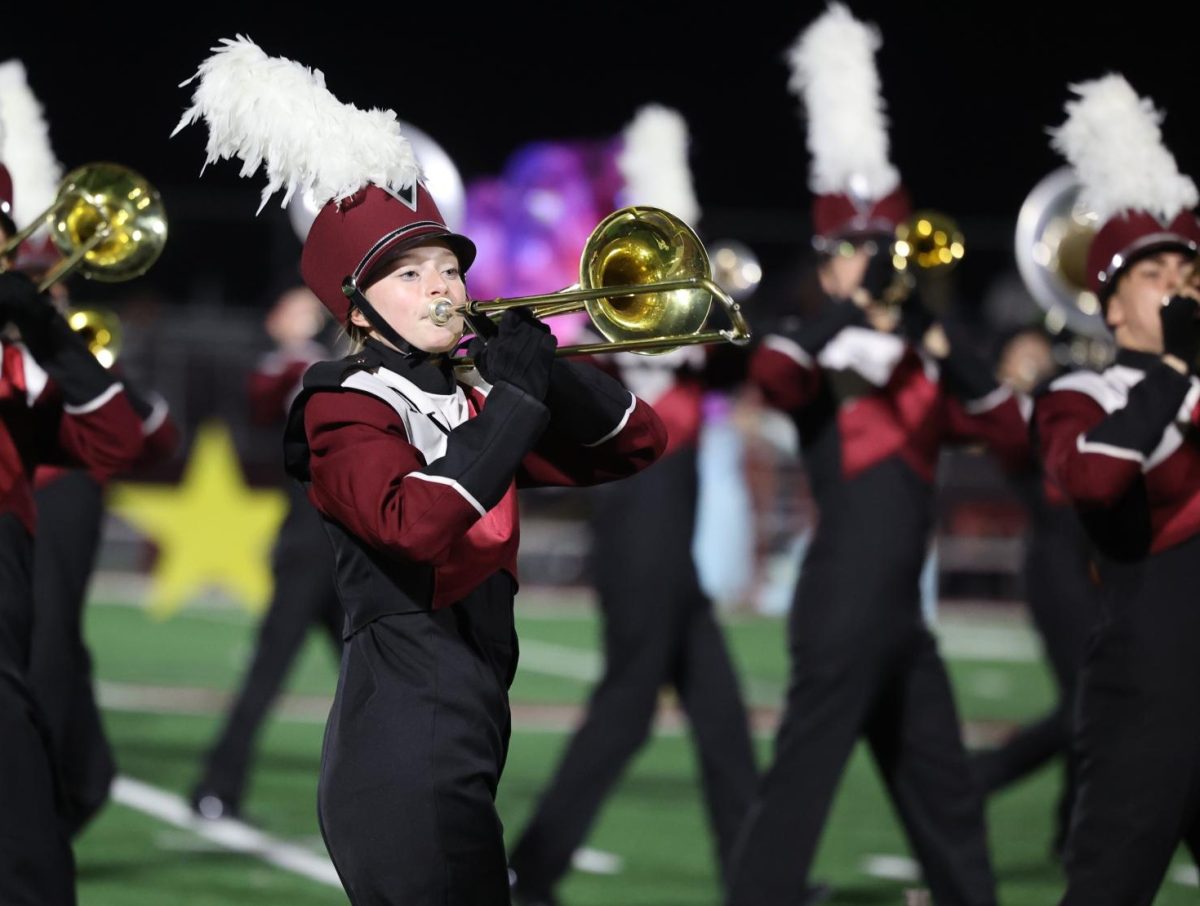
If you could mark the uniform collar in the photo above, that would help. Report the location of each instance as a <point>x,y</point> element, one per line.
<point>1132,358</point>
<point>431,373</point>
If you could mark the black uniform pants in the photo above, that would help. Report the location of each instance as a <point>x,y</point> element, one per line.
<point>1138,735</point>
<point>1064,604</point>
<point>863,664</point>
<point>70,515</point>
<point>659,630</point>
<point>414,748</point>
<point>36,865</point>
<point>304,595</point>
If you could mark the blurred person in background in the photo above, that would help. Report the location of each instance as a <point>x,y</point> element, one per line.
<point>69,501</point>
<point>304,594</point>
<point>876,391</point>
<point>1059,588</point>
<point>59,406</point>
<point>659,627</point>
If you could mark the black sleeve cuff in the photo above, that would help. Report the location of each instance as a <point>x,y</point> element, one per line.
<point>826,323</point>
<point>65,356</point>
<point>586,404</point>
<point>965,374</point>
<point>1151,407</point>
<point>483,453</point>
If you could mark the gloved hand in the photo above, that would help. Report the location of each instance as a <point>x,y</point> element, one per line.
<point>21,304</point>
<point>1181,328</point>
<point>521,353</point>
<point>915,318</point>
<point>879,275</point>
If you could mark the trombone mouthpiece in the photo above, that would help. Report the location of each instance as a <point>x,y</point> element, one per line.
<point>441,312</point>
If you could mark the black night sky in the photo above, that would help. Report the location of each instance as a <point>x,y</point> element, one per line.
<point>970,89</point>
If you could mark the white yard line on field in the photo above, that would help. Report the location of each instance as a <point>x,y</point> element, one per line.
<point>225,832</point>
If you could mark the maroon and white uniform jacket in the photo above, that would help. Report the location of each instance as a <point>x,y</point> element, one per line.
<point>873,414</point>
<point>159,440</point>
<point>416,473</point>
<point>83,419</point>
<point>1121,445</point>
<point>672,384</point>
<point>278,378</point>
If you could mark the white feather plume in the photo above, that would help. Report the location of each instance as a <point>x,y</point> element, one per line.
<point>654,163</point>
<point>275,113</point>
<point>25,146</point>
<point>1113,140</point>
<point>833,73</point>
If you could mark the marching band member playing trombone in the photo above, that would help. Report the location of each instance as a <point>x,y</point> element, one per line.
<point>414,469</point>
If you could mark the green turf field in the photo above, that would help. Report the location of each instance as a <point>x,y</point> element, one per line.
<point>163,684</point>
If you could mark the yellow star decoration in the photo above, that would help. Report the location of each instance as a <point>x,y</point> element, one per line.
<point>211,529</point>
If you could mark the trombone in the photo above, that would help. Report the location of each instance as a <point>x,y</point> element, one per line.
<point>645,281</point>
<point>107,221</point>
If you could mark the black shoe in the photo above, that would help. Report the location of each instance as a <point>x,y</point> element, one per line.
<point>212,806</point>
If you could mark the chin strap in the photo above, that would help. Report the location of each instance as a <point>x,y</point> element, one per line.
<point>377,321</point>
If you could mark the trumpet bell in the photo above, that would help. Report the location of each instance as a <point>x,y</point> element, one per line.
<point>100,330</point>
<point>637,246</point>
<point>107,196</point>
<point>928,240</point>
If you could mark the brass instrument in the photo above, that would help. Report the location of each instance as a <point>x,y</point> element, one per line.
<point>107,221</point>
<point>100,330</point>
<point>736,268</point>
<point>646,283</point>
<point>929,242</point>
<point>1054,232</point>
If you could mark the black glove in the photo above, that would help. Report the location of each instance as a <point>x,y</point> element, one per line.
<point>1181,328</point>
<point>21,304</point>
<point>879,275</point>
<point>521,353</point>
<point>822,325</point>
<point>915,318</point>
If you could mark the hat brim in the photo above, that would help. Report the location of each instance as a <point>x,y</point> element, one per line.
<point>463,248</point>
<point>1148,245</point>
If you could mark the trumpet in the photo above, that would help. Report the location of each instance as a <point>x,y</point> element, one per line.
<point>645,281</point>
<point>107,221</point>
<point>100,330</point>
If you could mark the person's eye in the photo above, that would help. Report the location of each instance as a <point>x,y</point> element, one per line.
<point>451,272</point>
<point>407,273</point>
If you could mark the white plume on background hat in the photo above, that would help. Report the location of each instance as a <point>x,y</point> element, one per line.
<point>25,146</point>
<point>654,163</point>
<point>833,72</point>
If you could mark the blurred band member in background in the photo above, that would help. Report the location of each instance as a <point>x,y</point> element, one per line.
<point>304,595</point>
<point>660,629</point>
<point>1060,590</point>
<point>875,391</point>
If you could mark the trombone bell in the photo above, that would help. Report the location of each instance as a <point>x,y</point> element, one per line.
<point>118,213</point>
<point>640,246</point>
<point>645,282</point>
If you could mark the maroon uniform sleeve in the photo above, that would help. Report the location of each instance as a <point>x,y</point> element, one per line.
<point>101,434</point>
<point>160,434</point>
<point>1095,455</point>
<point>272,385</point>
<point>787,375</point>
<point>104,437</point>
<point>367,476</point>
<point>598,431</point>
<point>997,421</point>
